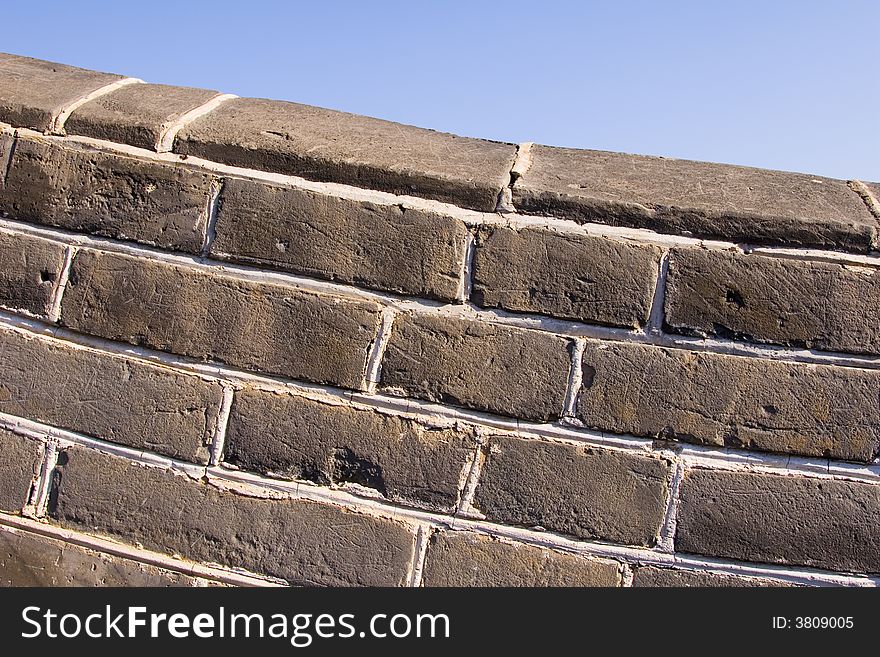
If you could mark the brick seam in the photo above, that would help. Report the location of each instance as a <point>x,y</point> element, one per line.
<point>466,287</point>
<point>376,351</point>
<point>254,485</point>
<point>865,194</point>
<point>575,380</point>
<point>565,328</point>
<point>470,479</point>
<point>420,553</point>
<point>657,313</point>
<point>666,535</point>
<point>218,443</point>
<point>7,163</point>
<point>33,503</point>
<point>430,413</point>
<point>168,132</point>
<point>56,125</point>
<point>61,285</point>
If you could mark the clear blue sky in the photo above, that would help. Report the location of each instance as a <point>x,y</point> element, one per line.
<point>774,83</point>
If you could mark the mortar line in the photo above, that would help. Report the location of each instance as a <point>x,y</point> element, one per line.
<point>867,197</point>
<point>467,267</point>
<point>373,371</point>
<point>56,125</point>
<point>168,133</point>
<point>575,378</point>
<point>626,575</point>
<point>431,414</point>
<point>218,443</point>
<point>7,165</point>
<point>256,485</point>
<point>465,507</point>
<point>657,313</point>
<point>211,214</point>
<point>470,217</point>
<point>32,504</point>
<point>420,553</point>
<point>666,535</point>
<point>61,285</point>
<point>126,551</point>
<point>466,311</point>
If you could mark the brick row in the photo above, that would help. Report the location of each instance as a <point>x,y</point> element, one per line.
<point>209,315</point>
<point>299,541</point>
<point>290,436</point>
<point>112,398</point>
<point>798,303</point>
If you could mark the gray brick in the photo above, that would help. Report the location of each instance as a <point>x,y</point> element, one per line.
<point>21,461</point>
<point>716,399</point>
<point>113,398</point>
<point>261,327</point>
<point>135,114</point>
<point>791,302</point>
<point>695,198</point>
<point>580,277</point>
<point>649,576</point>
<point>301,541</point>
<point>487,367</point>
<point>32,560</point>
<point>587,492</point>
<point>32,91</point>
<point>294,437</point>
<point>384,247</point>
<point>330,146</point>
<point>780,519</point>
<point>107,194</point>
<point>29,271</point>
<point>464,559</point>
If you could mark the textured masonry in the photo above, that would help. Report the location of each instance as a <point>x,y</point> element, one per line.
<point>248,341</point>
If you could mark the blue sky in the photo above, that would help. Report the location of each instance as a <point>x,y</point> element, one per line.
<point>779,84</point>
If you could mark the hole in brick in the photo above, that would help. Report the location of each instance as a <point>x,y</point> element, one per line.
<point>735,298</point>
<point>588,376</point>
<point>47,276</point>
<point>282,245</point>
<point>770,409</point>
<point>312,472</point>
<point>349,468</point>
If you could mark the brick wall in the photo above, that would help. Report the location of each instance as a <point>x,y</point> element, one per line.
<point>253,342</point>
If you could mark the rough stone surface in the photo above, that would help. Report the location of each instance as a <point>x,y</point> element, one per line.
<point>799,303</point>
<point>649,576</point>
<point>29,271</point>
<point>331,146</point>
<point>587,492</point>
<point>294,437</point>
<point>113,398</point>
<point>261,327</point>
<point>697,198</point>
<point>20,463</point>
<point>106,194</point>
<point>487,367</point>
<point>301,541</point>
<point>135,114</point>
<point>715,399</point>
<point>580,277</point>
<point>805,521</point>
<point>384,247</point>
<point>33,91</point>
<point>464,559</point>
<point>31,560</point>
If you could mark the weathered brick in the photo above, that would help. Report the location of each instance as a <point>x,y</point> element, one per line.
<point>792,302</point>
<point>21,461</point>
<point>581,277</point>
<point>695,198</point>
<point>465,559</point>
<point>135,114</point>
<point>805,521</point>
<point>649,576</point>
<point>331,146</point>
<point>33,91</point>
<point>29,271</point>
<point>384,247</point>
<point>484,366</point>
<point>30,560</point>
<point>301,541</point>
<point>113,398</point>
<point>261,327</point>
<point>290,436</point>
<point>584,491</point>
<point>78,188</point>
<point>716,399</point>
